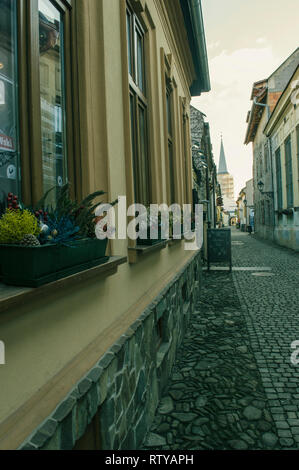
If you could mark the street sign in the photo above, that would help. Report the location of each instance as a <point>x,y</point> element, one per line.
<point>219,246</point>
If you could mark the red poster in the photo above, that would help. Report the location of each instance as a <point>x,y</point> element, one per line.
<point>6,143</point>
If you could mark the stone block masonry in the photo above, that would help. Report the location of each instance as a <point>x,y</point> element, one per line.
<point>120,394</point>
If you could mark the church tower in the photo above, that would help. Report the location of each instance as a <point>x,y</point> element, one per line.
<point>226,182</point>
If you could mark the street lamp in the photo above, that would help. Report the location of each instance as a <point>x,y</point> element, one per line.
<point>261,185</point>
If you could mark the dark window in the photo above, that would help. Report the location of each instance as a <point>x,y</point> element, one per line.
<point>278,178</point>
<point>266,158</point>
<point>289,171</point>
<point>169,117</point>
<point>138,108</point>
<point>9,129</point>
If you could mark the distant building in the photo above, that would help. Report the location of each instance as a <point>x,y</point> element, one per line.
<point>265,96</point>
<point>206,190</point>
<point>283,132</point>
<point>226,181</point>
<point>245,207</point>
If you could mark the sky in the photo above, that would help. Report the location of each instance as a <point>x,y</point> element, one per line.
<point>246,41</point>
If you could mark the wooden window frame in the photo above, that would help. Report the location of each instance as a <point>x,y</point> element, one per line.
<point>169,88</point>
<point>141,195</point>
<point>29,100</point>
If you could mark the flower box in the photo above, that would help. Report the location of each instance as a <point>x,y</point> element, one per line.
<point>38,265</point>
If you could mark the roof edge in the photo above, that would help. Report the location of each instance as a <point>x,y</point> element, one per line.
<point>193,17</point>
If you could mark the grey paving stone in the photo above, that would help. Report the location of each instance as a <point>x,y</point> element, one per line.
<point>236,356</point>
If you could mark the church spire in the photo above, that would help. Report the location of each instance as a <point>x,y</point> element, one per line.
<point>222,160</point>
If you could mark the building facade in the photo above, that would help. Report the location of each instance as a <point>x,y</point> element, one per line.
<point>245,207</point>
<point>265,95</point>
<point>97,93</point>
<point>282,130</point>
<point>205,185</point>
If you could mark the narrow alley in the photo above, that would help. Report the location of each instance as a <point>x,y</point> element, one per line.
<point>233,385</point>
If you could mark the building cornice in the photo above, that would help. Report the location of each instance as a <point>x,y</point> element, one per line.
<point>173,24</point>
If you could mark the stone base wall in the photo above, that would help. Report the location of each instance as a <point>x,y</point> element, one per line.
<point>119,396</point>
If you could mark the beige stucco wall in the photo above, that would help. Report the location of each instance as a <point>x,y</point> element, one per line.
<point>284,123</point>
<point>43,336</point>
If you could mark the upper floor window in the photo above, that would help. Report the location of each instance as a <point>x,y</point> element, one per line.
<point>138,107</point>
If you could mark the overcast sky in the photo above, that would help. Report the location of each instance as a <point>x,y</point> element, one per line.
<point>246,40</point>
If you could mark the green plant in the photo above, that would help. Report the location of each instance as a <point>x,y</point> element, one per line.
<point>82,213</point>
<point>15,224</point>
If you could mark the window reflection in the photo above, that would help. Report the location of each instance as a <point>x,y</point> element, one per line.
<point>52,95</point>
<point>9,145</point>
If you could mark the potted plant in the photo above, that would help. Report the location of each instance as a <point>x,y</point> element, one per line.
<point>43,243</point>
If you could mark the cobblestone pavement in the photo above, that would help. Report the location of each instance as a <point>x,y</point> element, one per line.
<point>233,385</point>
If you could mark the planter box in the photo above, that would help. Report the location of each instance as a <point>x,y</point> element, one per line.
<point>35,266</point>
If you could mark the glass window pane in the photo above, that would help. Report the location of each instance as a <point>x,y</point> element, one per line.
<point>171,173</point>
<point>9,145</point>
<point>278,178</point>
<point>133,139</point>
<point>129,41</point>
<point>51,43</point>
<point>168,111</point>
<point>144,196</point>
<point>140,63</point>
<point>289,172</point>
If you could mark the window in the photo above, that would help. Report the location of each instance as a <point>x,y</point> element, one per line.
<point>186,155</point>
<point>138,108</point>
<point>52,95</point>
<point>35,159</point>
<point>289,172</point>
<point>9,129</point>
<point>278,178</point>
<point>266,157</point>
<point>169,118</point>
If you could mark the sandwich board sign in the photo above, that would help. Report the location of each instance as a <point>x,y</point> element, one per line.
<point>219,246</point>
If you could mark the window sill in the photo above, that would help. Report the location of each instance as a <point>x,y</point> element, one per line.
<point>134,254</point>
<point>289,211</point>
<point>174,241</point>
<point>11,296</point>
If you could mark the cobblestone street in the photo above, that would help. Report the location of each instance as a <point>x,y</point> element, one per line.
<point>233,385</point>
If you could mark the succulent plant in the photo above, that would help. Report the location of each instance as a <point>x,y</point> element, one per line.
<point>30,240</point>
